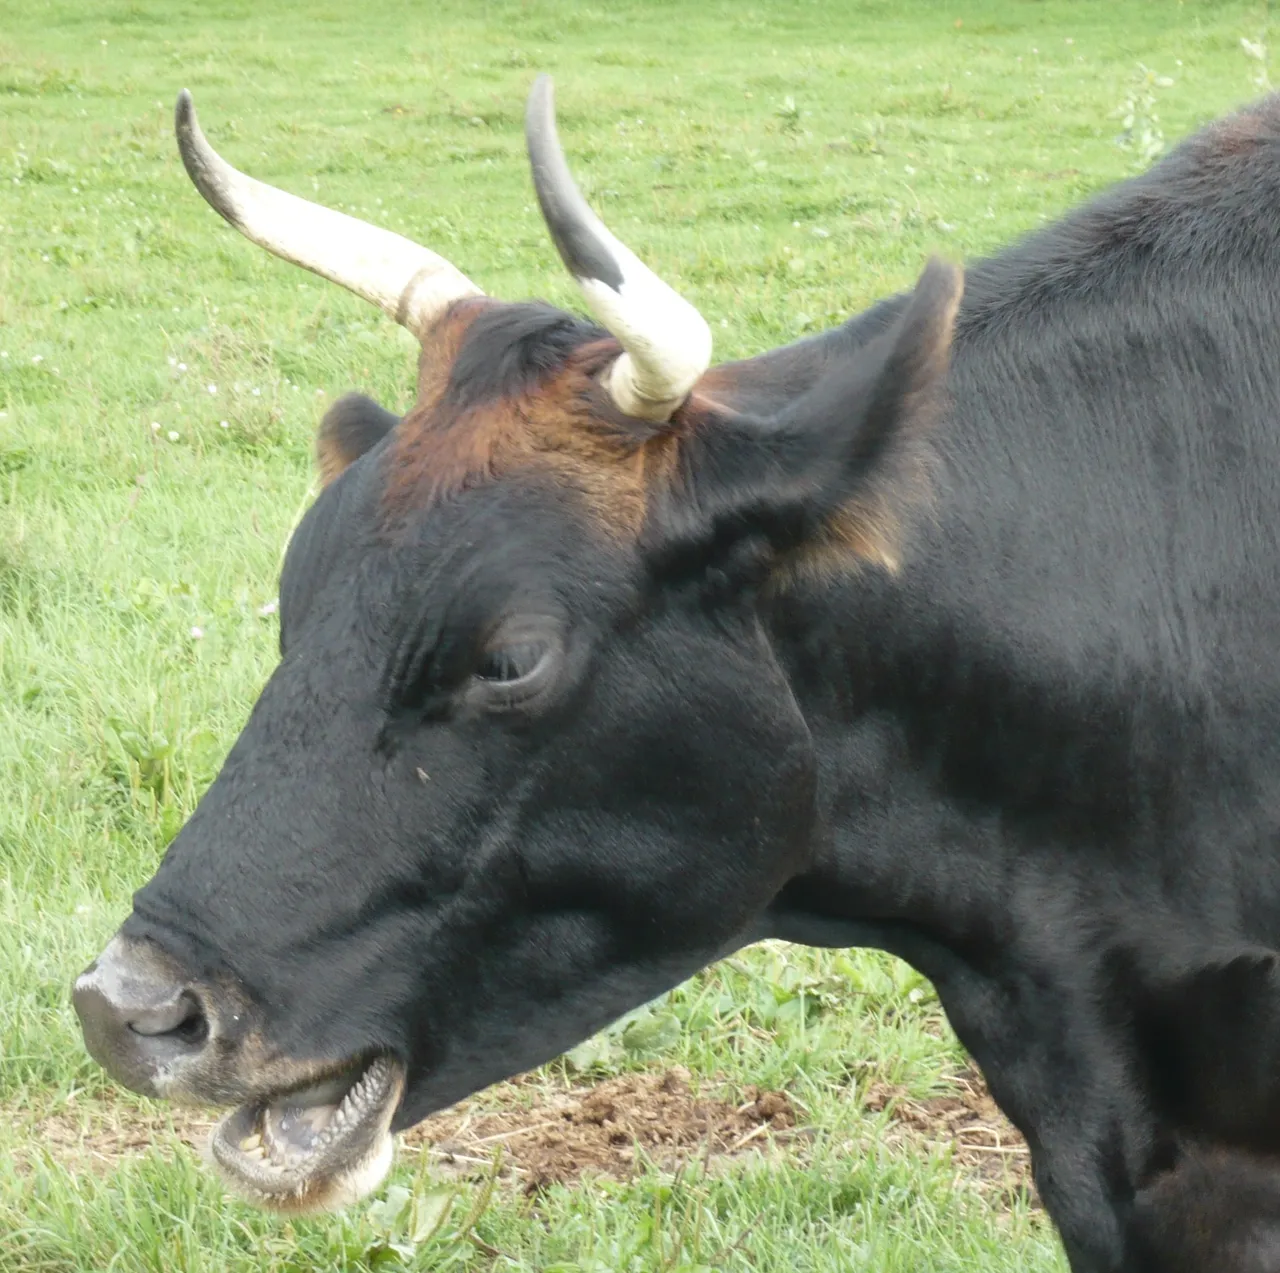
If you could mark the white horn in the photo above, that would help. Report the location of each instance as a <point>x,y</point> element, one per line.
<point>667,342</point>
<point>411,283</point>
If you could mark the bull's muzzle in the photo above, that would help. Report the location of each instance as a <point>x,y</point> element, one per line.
<point>142,1021</point>
<point>304,1134</point>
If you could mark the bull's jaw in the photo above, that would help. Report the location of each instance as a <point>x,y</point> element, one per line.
<point>318,1148</point>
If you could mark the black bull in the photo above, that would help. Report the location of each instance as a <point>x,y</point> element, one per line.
<point>950,633</point>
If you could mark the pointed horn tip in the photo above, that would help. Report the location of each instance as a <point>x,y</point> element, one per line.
<point>540,108</point>
<point>186,127</point>
<point>209,173</point>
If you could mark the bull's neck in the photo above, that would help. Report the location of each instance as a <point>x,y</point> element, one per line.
<point>950,747</point>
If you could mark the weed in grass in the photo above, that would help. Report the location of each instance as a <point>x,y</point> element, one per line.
<point>1141,133</point>
<point>1257,51</point>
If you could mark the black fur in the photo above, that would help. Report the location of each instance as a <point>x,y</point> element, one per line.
<point>510,349</point>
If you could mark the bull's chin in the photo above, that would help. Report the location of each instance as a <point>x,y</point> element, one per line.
<point>314,1148</point>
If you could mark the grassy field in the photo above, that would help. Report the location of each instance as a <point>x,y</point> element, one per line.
<point>784,163</point>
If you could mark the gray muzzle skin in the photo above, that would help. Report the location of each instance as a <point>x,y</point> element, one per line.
<point>142,1021</point>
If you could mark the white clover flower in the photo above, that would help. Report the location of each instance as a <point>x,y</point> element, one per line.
<point>197,634</point>
<point>173,435</point>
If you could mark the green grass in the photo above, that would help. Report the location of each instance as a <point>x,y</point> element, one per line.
<point>784,164</point>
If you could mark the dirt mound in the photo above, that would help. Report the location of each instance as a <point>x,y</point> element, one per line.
<point>966,1120</point>
<point>604,1129</point>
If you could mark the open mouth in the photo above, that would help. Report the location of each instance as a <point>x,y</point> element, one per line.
<point>314,1148</point>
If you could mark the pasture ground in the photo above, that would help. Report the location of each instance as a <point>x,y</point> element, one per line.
<point>785,164</point>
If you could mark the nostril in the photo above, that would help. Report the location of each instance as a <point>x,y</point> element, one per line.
<point>182,1018</point>
<point>194,1031</point>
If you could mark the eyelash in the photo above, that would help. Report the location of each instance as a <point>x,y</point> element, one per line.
<point>511,663</point>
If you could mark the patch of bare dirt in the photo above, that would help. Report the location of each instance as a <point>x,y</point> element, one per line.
<point>610,1128</point>
<point>97,1137</point>
<point>964,1120</point>
<point>607,1128</point>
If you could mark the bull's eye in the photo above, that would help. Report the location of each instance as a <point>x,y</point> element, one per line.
<point>518,665</point>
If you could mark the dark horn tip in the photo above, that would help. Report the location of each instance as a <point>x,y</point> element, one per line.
<point>540,112</point>
<point>187,132</point>
<point>568,218</point>
<point>199,161</point>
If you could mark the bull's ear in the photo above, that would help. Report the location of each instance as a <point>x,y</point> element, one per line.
<point>353,425</point>
<point>830,467</point>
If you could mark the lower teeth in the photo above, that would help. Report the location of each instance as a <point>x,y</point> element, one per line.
<point>287,1134</point>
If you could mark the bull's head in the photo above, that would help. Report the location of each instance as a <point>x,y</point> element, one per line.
<point>530,756</point>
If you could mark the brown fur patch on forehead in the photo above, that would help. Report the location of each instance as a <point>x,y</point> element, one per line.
<point>504,388</point>
<point>510,390</point>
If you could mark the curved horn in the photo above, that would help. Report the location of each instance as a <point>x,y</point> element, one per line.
<point>409,282</point>
<point>667,342</point>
